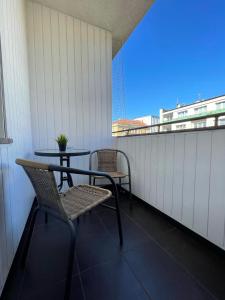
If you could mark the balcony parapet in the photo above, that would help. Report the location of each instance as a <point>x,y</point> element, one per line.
<point>161,128</point>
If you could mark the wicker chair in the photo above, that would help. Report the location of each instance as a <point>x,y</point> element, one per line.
<point>66,206</point>
<point>107,162</point>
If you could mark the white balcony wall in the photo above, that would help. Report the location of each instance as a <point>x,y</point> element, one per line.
<point>16,194</point>
<point>70,81</point>
<point>182,175</point>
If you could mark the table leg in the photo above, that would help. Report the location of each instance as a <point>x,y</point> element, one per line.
<point>68,177</point>
<point>61,175</point>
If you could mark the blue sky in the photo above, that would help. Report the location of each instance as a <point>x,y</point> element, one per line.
<point>176,53</point>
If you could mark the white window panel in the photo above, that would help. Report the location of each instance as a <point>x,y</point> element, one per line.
<point>182,113</point>
<point>220,105</point>
<point>200,110</point>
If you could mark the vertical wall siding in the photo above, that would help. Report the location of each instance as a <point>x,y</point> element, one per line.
<point>70,80</point>
<point>182,174</point>
<point>15,191</point>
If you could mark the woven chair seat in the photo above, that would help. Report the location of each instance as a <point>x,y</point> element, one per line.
<point>114,175</point>
<point>79,199</point>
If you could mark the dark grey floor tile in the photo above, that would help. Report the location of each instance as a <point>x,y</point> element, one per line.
<point>47,258</point>
<point>133,235</point>
<point>112,281</point>
<point>97,249</point>
<point>13,286</point>
<point>90,225</point>
<point>55,292</point>
<point>161,276</point>
<point>152,222</point>
<point>204,262</point>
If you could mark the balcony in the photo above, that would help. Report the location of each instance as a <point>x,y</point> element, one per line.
<point>56,71</point>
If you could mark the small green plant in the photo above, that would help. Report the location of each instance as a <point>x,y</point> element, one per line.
<point>62,141</point>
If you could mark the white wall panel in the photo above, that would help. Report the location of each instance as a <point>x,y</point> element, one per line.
<point>139,159</point>
<point>183,176</point>
<point>178,168</point>
<point>169,172</point>
<point>133,162</point>
<point>70,66</point>
<point>202,182</point>
<point>147,171</point>
<point>154,170</point>
<point>217,190</point>
<point>15,191</point>
<point>161,171</point>
<point>189,179</point>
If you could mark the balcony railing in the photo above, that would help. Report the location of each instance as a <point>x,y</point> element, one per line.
<point>166,127</point>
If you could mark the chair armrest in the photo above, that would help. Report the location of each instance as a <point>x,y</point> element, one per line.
<point>57,168</point>
<point>77,171</point>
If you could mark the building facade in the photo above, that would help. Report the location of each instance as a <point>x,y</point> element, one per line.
<point>149,120</point>
<point>124,124</point>
<point>203,108</point>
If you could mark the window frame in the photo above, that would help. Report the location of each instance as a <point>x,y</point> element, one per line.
<point>182,114</point>
<point>181,126</point>
<point>198,124</point>
<point>197,110</point>
<point>218,104</point>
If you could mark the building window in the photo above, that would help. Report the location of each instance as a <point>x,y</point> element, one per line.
<point>200,110</point>
<point>221,122</point>
<point>180,126</point>
<point>220,105</point>
<point>182,114</point>
<point>2,102</point>
<point>167,118</point>
<point>200,124</point>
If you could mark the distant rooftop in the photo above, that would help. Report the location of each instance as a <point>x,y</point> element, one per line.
<point>129,122</point>
<point>196,102</point>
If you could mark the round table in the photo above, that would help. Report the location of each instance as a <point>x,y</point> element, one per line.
<point>64,157</point>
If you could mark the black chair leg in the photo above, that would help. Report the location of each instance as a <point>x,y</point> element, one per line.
<point>46,218</point>
<point>70,261</point>
<point>120,185</point>
<point>119,219</point>
<point>130,194</point>
<point>26,247</point>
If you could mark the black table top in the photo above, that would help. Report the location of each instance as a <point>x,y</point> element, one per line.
<point>56,153</point>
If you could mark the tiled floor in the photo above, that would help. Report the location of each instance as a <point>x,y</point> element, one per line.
<point>158,260</point>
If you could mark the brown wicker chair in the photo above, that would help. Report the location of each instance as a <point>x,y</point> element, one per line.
<point>66,206</point>
<point>107,162</point>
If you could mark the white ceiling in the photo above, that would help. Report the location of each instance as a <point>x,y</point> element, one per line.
<point>118,16</point>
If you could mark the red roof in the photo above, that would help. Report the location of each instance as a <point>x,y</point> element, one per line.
<point>129,122</point>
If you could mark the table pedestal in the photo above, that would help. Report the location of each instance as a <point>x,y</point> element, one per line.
<point>64,158</point>
<point>68,176</point>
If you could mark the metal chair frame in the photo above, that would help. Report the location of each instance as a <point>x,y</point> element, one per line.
<point>120,179</point>
<point>69,222</point>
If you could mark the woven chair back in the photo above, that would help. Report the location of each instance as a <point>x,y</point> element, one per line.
<point>107,160</point>
<point>44,185</point>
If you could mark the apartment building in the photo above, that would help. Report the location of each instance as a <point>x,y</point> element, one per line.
<point>124,124</point>
<point>205,108</point>
<point>149,120</point>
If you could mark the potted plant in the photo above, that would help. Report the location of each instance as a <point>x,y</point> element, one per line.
<point>62,142</point>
